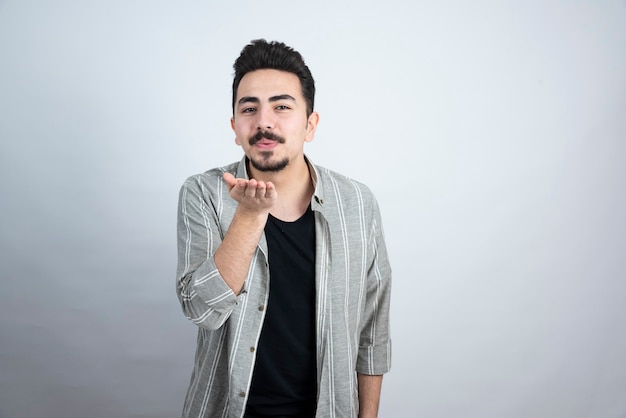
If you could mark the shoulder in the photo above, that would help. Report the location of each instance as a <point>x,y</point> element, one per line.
<point>345,196</point>
<point>210,179</point>
<point>332,183</point>
<point>208,186</point>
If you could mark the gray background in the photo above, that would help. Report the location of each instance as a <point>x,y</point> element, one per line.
<point>492,132</point>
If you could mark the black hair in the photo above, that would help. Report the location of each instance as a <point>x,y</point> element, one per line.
<point>260,54</point>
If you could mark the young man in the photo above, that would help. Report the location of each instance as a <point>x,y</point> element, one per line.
<point>282,264</point>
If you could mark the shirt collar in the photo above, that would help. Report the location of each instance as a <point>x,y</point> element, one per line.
<point>317,186</point>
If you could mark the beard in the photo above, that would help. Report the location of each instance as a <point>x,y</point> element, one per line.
<point>265,163</point>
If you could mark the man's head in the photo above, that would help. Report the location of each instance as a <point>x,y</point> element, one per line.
<point>260,54</point>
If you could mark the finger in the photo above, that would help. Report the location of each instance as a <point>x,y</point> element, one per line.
<point>260,189</point>
<point>241,187</point>
<point>230,180</point>
<point>251,188</point>
<point>270,190</point>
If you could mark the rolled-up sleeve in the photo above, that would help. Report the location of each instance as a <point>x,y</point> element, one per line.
<point>205,297</point>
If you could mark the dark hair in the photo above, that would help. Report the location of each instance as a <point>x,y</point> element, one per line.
<point>260,54</point>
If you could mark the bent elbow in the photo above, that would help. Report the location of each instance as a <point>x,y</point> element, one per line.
<point>209,319</point>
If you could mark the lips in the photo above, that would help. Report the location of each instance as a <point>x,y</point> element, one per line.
<point>266,139</point>
<point>265,143</point>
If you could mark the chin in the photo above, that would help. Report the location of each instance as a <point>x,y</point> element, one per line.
<point>268,165</point>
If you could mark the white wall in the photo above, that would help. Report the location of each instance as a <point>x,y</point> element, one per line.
<point>493,134</point>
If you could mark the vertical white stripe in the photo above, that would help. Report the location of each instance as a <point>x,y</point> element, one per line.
<point>364,248</point>
<point>208,340</point>
<point>187,231</point>
<point>346,307</point>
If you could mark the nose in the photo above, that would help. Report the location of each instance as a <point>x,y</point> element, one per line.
<point>265,118</point>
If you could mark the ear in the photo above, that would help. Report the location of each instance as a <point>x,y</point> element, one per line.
<point>232,126</point>
<point>311,126</point>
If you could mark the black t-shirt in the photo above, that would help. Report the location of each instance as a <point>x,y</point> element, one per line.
<point>284,381</point>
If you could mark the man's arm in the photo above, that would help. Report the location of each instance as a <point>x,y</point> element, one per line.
<point>207,297</point>
<point>369,394</point>
<point>375,344</point>
<point>234,254</point>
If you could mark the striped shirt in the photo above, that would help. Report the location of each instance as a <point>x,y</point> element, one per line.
<point>353,286</point>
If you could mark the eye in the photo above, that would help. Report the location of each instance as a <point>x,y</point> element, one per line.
<point>248,110</point>
<point>282,107</point>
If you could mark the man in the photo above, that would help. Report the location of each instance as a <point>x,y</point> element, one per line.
<point>282,264</point>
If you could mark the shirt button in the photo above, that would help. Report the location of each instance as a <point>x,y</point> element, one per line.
<point>242,394</point>
<point>261,308</point>
<point>252,349</point>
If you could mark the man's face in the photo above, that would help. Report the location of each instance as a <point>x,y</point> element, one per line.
<point>269,119</point>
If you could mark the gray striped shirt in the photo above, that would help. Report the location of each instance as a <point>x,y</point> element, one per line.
<point>353,286</point>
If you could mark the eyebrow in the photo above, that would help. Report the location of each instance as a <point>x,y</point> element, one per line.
<point>252,99</point>
<point>282,97</point>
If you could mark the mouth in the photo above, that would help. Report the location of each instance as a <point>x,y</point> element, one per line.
<point>266,139</point>
<point>265,143</point>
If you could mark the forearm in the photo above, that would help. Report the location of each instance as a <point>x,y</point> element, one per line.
<point>205,298</point>
<point>235,253</point>
<point>369,394</point>
<point>212,268</point>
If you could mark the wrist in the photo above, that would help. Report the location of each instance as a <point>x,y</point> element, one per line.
<point>251,218</point>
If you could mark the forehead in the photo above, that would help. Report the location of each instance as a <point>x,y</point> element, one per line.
<point>267,83</point>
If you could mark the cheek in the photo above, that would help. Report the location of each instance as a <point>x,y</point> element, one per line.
<point>240,134</point>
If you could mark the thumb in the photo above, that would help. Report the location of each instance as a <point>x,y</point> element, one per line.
<point>230,180</point>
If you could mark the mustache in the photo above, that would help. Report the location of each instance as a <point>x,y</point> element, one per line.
<point>267,135</point>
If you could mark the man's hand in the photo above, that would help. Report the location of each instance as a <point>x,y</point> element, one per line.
<point>252,195</point>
